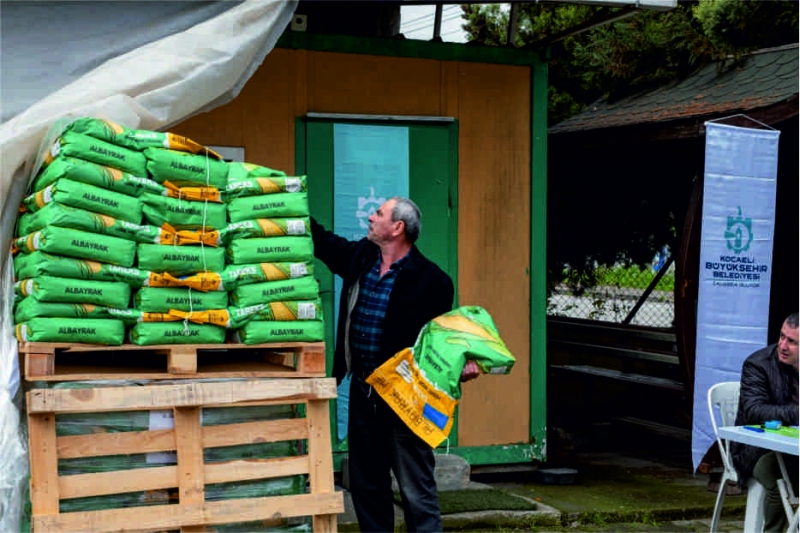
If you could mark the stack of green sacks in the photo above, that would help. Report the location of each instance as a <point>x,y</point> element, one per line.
<point>121,422</point>
<point>269,232</point>
<point>198,214</point>
<point>155,233</point>
<point>79,230</point>
<point>77,241</point>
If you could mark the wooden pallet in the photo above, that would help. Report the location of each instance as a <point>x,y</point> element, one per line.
<point>188,438</point>
<point>45,361</point>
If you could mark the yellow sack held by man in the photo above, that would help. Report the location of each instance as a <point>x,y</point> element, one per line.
<point>422,384</point>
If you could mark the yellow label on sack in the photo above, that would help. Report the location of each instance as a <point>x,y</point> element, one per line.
<point>272,272</point>
<point>281,311</point>
<point>269,228</point>
<point>208,238</point>
<point>425,409</point>
<point>267,186</point>
<point>196,194</point>
<point>158,279</point>
<point>218,317</point>
<point>179,142</point>
<point>203,281</point>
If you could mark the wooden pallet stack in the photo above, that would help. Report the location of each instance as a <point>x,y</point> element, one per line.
<point>186,381</point>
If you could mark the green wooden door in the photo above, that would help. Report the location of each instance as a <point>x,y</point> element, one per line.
<point>416,159</point>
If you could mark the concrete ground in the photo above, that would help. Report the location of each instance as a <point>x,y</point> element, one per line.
<point>611,492</point>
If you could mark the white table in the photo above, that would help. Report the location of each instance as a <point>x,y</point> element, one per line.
<point>770,441</point>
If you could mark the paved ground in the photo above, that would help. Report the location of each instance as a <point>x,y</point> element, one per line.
<point>613,492</point>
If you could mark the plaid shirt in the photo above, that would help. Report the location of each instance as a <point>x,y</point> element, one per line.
<point>366,321</point>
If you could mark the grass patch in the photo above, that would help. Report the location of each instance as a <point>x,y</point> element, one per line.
<point>460,501</point>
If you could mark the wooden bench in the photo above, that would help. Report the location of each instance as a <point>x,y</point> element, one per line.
<point>599,354</point>
<point>633,354</point>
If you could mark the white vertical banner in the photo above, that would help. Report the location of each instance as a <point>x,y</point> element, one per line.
<point>741,166</point>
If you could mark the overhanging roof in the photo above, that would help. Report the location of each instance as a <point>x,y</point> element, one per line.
<point>764,86</point>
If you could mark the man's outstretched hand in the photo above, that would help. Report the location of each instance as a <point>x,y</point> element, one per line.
<point>470,372</point>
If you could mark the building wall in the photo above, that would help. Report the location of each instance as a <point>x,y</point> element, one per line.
<point>492,106</point>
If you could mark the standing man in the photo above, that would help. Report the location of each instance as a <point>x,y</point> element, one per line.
<point>390,291</point>
<point>769,392</point>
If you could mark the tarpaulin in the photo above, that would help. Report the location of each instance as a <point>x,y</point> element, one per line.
<point>146,65</point>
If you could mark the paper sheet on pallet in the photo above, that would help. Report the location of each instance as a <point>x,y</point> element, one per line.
<point>146,65</point>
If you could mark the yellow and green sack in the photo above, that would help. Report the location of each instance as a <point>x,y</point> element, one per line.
<point>162,300</point>
<point>422,383</point>
<point>185,169</point>
<point>83,196</point>
<point>80,244</point>
<point>252,186</point>
<point>183,214</point>
<point>70,290</point>
<point>94,174</point>
<point>64,216</point>
<point>305,288</point>
<point>29,308</point>
<point>263,331</point>
<point>278,205</point>
<point>270,250</point>
<point>239,275</point>
<point>85,331</point>
<point>180,260</point>
<point>44,264</point>
<point>135,139</point>
<point>151,333</point>
<point>236,317</point>
<point>71,144</point>
<point>239,171</point>
<point>266,227</point>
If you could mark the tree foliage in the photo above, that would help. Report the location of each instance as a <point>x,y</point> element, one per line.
<point>593,221</point>
<point>636,52</point>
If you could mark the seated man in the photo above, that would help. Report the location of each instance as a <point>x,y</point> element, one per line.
<point>769,392</point>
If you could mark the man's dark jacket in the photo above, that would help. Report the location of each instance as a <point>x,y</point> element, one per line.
<point>767,389</point>
<point>422,291</point>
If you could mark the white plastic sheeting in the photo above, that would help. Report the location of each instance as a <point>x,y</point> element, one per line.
<point>145,65</point>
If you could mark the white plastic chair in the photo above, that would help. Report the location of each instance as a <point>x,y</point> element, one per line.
<point>723,397</point>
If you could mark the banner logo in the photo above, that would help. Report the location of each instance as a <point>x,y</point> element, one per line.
<point>367,205</point>
<point>739,233</point>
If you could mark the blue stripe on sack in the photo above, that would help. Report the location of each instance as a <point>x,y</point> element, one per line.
<point>437,417</point>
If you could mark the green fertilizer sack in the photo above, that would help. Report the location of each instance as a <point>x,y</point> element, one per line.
<point>279,205</point>
<point>29,308</point>
<point>43,264</point>
<point>183,214</point>
<point>135,139</point>
<point>93,174</point>
<point>84,331</point>
<point>134,316</point>
<point>238,171</point>
<point>184,169</point>
<point>239,275</point>
<point>422,384</point>
<point>71,144</point>
<point>70,217</point>
<point>238,188</point>
<point>69,290</point>
<point>82,196</point>
<point>261,331</point>
<point>305,288</point>
<point>80,244</point>
<point>266,227</point>
<point>151,333</point>
<point>236,317</point>
<point>181,260</point>
<point>160,300</point>
<point>270,250</point>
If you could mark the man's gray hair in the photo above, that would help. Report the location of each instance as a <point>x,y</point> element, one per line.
<point>791,321</point>
<point>408,212</point>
